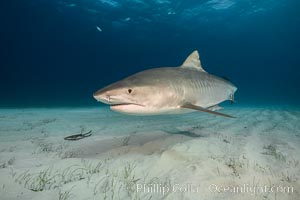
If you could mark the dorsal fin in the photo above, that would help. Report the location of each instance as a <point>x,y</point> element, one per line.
<point>193,61</point>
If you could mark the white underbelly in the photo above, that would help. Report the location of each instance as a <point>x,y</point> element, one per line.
<point>144,111</point>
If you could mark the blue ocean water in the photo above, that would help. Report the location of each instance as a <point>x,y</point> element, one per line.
<point>58,52</point>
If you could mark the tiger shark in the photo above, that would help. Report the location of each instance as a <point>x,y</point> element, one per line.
<point>168,90</point>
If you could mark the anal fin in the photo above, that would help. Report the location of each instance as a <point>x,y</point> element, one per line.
<point>194,107</point>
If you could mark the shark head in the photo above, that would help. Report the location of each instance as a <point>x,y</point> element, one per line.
<point>138,94</point>
<point>121,96</point>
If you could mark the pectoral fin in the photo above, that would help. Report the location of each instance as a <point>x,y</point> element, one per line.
<point>194,107</point>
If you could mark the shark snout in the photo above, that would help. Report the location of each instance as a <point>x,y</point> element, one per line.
<point>96,94</point>
<point>107,97</point>
<point>102,96</point>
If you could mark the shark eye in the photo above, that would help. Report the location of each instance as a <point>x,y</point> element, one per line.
<point>129,91</point>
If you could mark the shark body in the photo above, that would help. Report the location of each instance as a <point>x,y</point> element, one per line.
<point>168,90</point>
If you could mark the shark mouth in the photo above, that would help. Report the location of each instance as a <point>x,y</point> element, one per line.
<point>127,107</point>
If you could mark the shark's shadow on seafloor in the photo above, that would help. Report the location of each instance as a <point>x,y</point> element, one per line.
<point>143,144</point>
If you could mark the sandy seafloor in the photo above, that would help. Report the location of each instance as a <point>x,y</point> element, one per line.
<point>196,155</point>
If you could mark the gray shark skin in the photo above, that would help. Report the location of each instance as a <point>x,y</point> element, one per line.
<point>168,90</point>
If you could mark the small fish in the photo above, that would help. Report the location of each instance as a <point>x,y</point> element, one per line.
<point>127,19</point>
<point>98,28</point>
<point>71,5</point>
